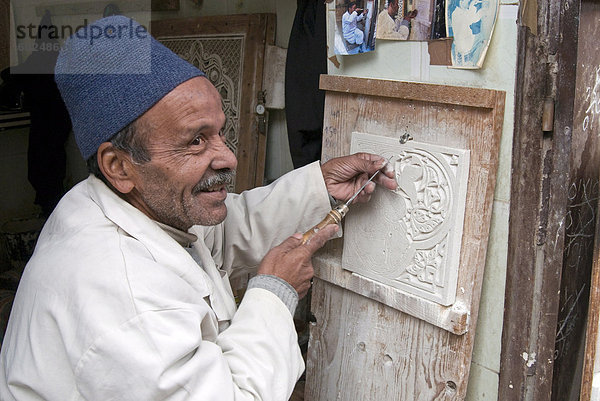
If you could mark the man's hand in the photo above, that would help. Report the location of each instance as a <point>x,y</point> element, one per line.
<point>291,260</point>
<point>345,175</point>
<point>411,14</point>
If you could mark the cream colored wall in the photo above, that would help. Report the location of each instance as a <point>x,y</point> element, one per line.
<point>409,61</point>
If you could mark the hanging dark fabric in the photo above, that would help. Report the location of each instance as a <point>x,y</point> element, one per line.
<point>306,61</point>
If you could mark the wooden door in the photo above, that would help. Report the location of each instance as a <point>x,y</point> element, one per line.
<point>586,126</point>
<point>370,340</point>
<point>230,49</point>
<point>553,201</point>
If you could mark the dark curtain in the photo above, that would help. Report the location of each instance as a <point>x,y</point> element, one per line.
<point>304,102</point>
<point>50,122</point>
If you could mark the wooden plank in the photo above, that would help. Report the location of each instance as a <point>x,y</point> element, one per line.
<point>591,361</point>
<point>462,96</point>
<point>556,250</point>
<point>529,160</point>
<point>408,356</point>
<point>265,37</point>
<point>365,351</point>
<point>542,169</point>
<point>581,204</point>
<point>454,319</point>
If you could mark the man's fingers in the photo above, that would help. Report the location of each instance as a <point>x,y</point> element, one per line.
<point>291,242</point>
<point>387,181</point>
<point>369,188</point>
<point>317,241</point>
<point>370,162</point>
<point>387,176</point>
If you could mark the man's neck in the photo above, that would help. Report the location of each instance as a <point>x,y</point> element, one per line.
<point>185,239</point>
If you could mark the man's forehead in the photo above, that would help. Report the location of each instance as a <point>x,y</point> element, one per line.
<point>196,90</point>
<point>195,100</point>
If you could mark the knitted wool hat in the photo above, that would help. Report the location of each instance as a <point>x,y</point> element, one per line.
<point>109,73</point>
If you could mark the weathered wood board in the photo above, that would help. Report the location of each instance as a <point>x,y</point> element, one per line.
<point>368,343</point>
<point>591,361</point>
<point>583,208</point>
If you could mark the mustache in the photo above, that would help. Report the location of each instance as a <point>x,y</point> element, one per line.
<point>220,177</point>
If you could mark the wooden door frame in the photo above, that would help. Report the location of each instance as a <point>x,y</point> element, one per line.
<point>546,71</point>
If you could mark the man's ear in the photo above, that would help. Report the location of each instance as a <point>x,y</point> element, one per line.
<point>117,167</point>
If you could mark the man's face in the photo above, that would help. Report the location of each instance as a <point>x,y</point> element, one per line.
<point>352,8</point>
<point>183,135</point>
<point>393,8</point>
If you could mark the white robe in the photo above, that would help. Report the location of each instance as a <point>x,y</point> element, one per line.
<point>110,307</point>
<point>350,28</point>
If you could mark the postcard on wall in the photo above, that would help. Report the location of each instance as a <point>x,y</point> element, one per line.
<point>409,20</point>
<point>471,24</point>
<point>355,26</point>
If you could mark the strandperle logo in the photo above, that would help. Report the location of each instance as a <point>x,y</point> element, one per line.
<point>37,45</point>
<point>93,32</point>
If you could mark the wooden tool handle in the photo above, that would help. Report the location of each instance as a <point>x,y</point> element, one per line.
<point>329,219</point>
<point>333,217</point>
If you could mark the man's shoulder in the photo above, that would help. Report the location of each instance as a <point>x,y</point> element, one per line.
<point>77,211</point>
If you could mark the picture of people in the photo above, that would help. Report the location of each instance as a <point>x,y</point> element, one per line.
<point>355,26</point>
<point>405,19</point>
<point>390,25</point>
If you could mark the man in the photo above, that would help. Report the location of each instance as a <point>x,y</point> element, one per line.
<point>127,295</point>
<point>388,27</point>
<point>350,30</point>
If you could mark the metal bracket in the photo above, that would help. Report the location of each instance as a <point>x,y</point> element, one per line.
<point>261,111</point>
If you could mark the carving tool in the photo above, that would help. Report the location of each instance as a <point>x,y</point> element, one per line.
<point>336,215</point>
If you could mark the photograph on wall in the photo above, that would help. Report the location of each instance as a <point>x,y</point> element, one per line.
<point>407,20</point>
<point>471,24</point>
<point>355,26</point>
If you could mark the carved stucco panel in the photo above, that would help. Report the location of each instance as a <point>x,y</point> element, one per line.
<point>410,238</point>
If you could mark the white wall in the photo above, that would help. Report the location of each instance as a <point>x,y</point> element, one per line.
<point>409,61</point>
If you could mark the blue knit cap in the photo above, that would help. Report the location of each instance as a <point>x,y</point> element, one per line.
<point>109,73</point>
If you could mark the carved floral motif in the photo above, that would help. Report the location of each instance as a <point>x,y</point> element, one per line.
<point>415,232</point>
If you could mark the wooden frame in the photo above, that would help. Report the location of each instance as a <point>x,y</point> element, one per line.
<point>256,31</point>
<point>591,362</point>
<point>360,325</point>
<point>583,238</point>
<point>456,317</point>
<point>553,204</point>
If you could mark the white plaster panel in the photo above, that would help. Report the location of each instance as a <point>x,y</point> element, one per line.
<point>410,238</point>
